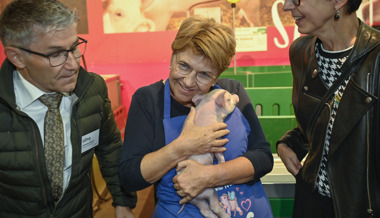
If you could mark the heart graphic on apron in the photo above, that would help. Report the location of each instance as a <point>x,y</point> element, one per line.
<point>246,204</point>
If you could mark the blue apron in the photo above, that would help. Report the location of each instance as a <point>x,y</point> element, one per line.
<point>237,200</point>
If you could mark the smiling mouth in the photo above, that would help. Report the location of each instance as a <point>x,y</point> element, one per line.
<point>184,88</point>
<point>297,18</point>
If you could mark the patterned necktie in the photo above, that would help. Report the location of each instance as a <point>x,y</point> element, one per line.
<point>54,142</point>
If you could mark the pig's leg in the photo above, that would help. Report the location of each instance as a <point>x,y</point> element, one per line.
<point>203,208</point>
<point>220,157</point>
<point>207,200</point>
<point>215,205</point>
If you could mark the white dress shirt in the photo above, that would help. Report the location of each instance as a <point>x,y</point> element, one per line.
<point>27,101</point>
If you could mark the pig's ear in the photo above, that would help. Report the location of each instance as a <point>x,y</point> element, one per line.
<point>219,100</point>
<point>197,98</point>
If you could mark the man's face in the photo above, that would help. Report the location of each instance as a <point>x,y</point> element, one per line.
<point>37,69</point>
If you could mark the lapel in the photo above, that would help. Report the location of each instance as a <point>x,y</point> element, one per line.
<point>355,102</point>
<point>353,107</point>
<point>314,85</point>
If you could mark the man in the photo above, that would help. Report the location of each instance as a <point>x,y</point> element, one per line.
<point>45,170</point>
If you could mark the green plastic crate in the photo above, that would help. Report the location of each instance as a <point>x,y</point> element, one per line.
<point>270,90</point>
<point>282,207</point>
<point>261,76</point>
<point>275,111</point>
<point>275,127</point>
<point>272,100</point>
<point>241,77</point>
<point>253,69</point>
<point>271,79</point>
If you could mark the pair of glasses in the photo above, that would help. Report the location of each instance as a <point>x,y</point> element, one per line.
<point>58,58</point>
<point>203,77</point>
<point>296,2</point>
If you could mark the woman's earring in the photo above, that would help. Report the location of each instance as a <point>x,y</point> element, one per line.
<point>170,67</point>
<point>336,15</point>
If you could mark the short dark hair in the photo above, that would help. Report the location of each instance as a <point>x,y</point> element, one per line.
<point>352,6</point>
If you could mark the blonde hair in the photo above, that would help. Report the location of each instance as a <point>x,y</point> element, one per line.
<point>204,36</point>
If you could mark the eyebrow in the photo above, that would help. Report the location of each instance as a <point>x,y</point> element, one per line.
<point>205,71</point>
<point>59,48</point>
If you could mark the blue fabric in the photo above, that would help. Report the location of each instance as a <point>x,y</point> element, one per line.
<point>237,200</point>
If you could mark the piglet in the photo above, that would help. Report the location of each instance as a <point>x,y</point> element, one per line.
<point>211,108</point>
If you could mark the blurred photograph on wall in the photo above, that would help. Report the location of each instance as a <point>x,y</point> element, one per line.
<point>123,16</point>
<point>250,19</point>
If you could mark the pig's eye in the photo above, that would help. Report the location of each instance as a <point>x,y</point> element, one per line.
<point>119,13</point>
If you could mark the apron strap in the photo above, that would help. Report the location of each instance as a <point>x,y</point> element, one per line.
<point>167,100</point>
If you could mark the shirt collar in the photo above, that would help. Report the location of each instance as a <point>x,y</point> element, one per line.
<point>26,93</point>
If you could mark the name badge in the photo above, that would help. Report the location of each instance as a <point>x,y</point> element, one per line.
<point>90,140</point>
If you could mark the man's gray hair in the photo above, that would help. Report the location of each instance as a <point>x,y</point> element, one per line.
<point>24,20</point>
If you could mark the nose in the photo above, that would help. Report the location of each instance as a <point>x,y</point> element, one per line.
<point>288,5</point>
<point>72,63</point>
<point>145,26</point>
<point>190,79</point>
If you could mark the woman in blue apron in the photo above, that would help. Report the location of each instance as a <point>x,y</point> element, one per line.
<point>160,133</point>
<point>237,200</point>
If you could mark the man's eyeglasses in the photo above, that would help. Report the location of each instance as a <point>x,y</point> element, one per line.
<point>203,78</point>
<point>59,57</point>
<point>297,2</point>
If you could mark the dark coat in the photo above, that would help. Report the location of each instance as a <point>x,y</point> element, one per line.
<point>24,185</point>
<point>353,166</point>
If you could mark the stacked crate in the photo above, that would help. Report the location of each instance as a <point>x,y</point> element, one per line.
<point>270,90</point>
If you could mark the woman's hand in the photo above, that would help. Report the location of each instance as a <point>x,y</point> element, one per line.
<point>195,177</point>
<point>289,158</point>
<point>192,180</point>
<point>199,140</point>
<point>192,140</point>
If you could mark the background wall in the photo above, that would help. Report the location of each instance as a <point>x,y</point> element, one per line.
<point>142,56</point>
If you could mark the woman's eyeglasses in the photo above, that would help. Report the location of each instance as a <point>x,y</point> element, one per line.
<point>202,77</point>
